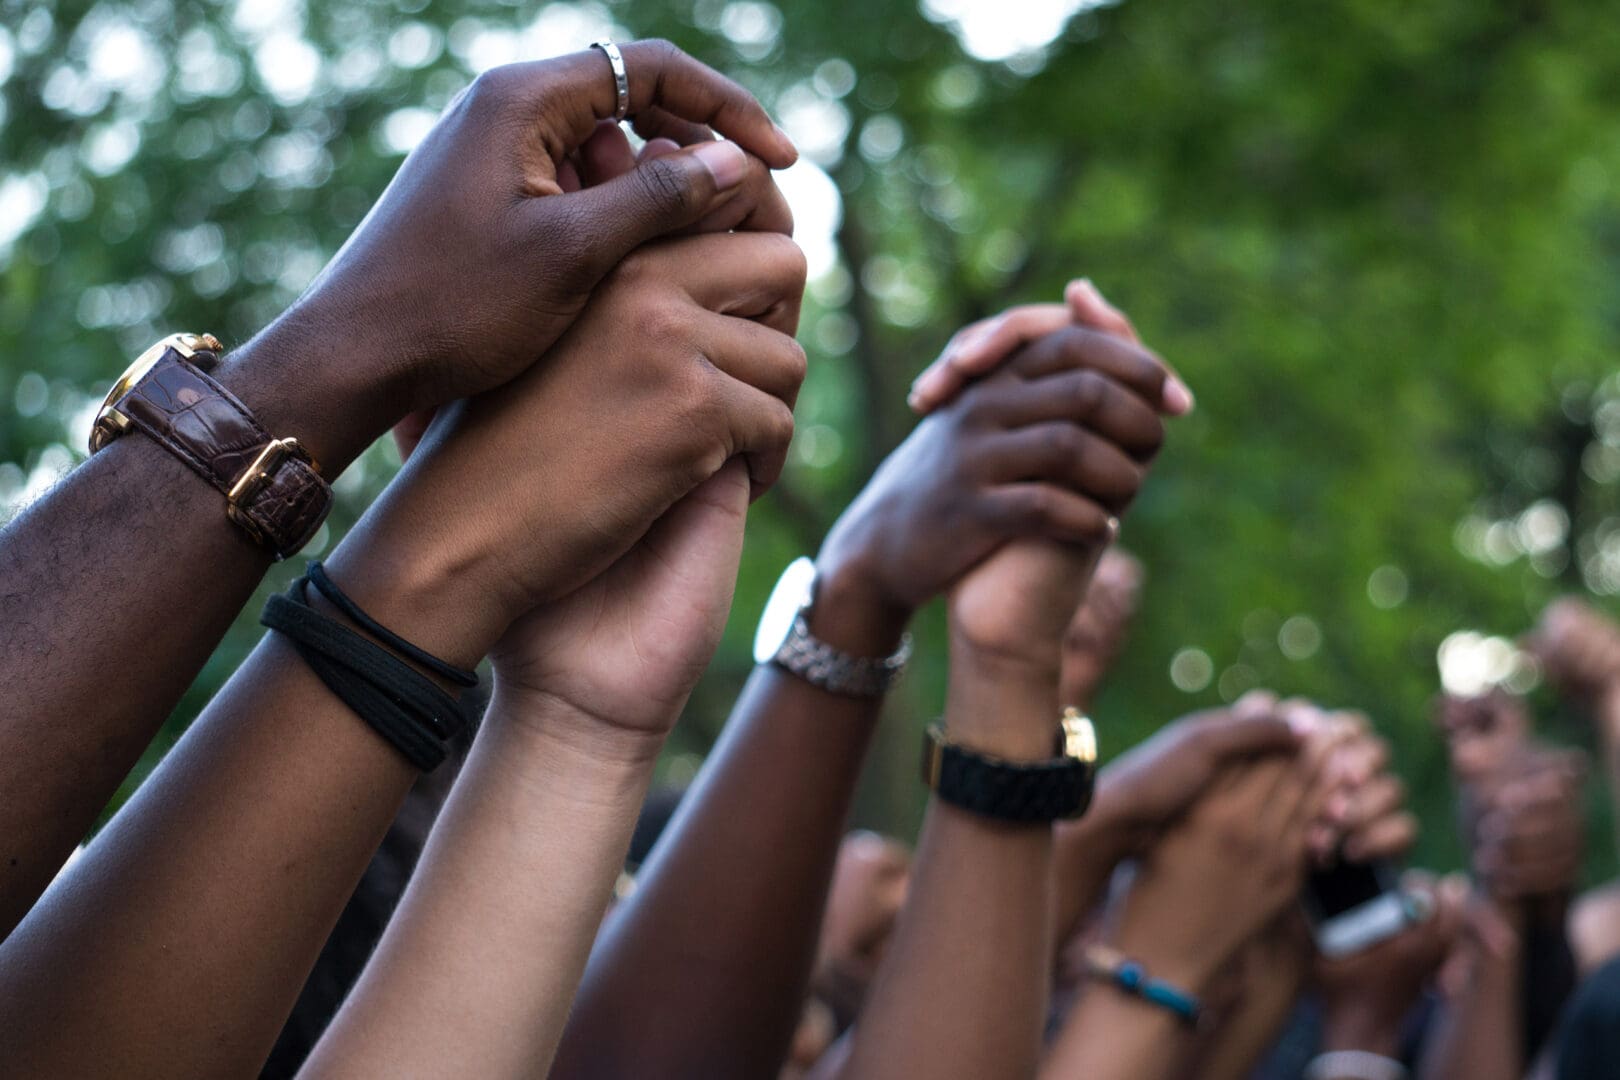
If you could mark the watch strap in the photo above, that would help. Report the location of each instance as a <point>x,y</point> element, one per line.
<point>837,672</point>
<point>993,787</point>
<point>272,487</point>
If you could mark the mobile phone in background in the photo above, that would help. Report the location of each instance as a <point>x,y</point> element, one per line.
<point>1353,906</point>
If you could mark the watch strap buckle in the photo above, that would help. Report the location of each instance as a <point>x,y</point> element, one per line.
<point>259,471</point>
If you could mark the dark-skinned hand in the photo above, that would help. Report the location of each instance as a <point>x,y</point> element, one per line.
<point>1240,849</point>
<point>476,259</point>
<point>683,360</point>
<point>1152,784</point>
<point>1055,445</point>
<point>1530,832</point>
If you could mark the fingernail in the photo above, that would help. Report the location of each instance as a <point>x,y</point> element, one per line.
<point>914,401</point>
<point>725,161</point>
<point>1178,400</point>
<point>786,139</point>
<point>1113,528</point>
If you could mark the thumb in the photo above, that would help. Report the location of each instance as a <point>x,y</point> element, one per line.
<point>659,196</point>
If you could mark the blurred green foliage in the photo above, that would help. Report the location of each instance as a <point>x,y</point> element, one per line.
<point>1378,239</point>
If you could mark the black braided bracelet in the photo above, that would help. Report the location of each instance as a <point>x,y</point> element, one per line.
<point>400,703</point>
<point>316,573</point>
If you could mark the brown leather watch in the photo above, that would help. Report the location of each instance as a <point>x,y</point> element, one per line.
<point>273,488</point>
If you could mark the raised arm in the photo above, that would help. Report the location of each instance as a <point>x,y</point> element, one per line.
<point>476,972</point>
<point>176,945</point>
<point>458,279</point>
<point>962,991</point>
<point>1240,849</point>
<point>1148,788</point>
<point>736,886</point>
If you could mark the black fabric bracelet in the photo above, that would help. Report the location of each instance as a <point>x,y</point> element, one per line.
<point>316,573</point>
<point>400,703</point>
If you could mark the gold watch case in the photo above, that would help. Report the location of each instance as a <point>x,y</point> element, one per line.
<point>110,423</point>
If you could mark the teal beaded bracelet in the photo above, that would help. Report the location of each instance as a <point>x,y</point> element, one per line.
<point>1132,978</point>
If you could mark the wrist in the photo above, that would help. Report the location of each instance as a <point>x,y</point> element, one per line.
<point>1188,968</point>
<point>427,595</point>
<point>544,726</point>
<point>303,377</point>
<point>852,613</point>
<point>1007,711</point>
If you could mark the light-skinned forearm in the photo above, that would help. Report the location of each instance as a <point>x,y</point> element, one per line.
<point>114,589</point>
<point>703,971</point>
<point>477,969</point>
<point>177,945</point>
<point>962,991</point>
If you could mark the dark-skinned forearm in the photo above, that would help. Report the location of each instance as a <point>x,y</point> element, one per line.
<point>962,990</point>
<point>178,943</point>
<point>735,888</point>
<point>114,589</point>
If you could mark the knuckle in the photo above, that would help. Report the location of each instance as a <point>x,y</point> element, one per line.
<point>1036,505</point>
<point>795,361</point>
<point>1087,390</point>
<point>1070,443</point>
<point>633,268</point>
<point>661,49</point>
<point>700,407</point>
<point>662,318</point>
<point>780,426</point>
<point>491,91</point>
<point>781,259</point>
<point>664,186</point>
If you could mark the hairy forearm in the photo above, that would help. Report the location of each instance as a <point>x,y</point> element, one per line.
<point>178,943</point>
<point>114,589</point>
<point>962,991</point>
<point>735,888</point>
<point>477,969</point>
